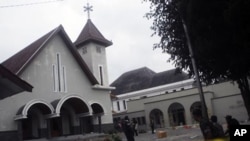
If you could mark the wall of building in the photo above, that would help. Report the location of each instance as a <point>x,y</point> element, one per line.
<point>39,74</point>
<point>119,105</point>
<point>94,59</point>
<point>232,105</point>
<point>186,102</point>
<point>221,99</point>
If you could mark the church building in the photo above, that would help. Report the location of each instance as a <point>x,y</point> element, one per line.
<point>71,92</point>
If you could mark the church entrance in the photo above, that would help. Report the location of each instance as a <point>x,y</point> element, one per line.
<point>31,119</point>
<point>156,116</point>
<point>55,125</point>
<point>98,112</point>
<point>62,126</point>
<point>30,126</point>
<point>71,110</point>
<point>176,114</point>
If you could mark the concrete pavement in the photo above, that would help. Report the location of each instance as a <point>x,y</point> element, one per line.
<point>179,134</point>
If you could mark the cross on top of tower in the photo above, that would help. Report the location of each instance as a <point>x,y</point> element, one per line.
<point>88,9</point>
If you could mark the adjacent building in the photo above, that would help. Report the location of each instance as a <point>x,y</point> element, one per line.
<point>168,98</point>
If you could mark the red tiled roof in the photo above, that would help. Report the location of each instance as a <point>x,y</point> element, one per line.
<point>20,60</point>
<point>91,33</point>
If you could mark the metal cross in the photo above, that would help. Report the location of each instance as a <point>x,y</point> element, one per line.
<point>88,9</point>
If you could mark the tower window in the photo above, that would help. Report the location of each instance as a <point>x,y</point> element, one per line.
<point>98,49</point>
<point>101,74</point>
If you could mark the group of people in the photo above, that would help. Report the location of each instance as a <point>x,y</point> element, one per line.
<point>129,128</point>
<point>211,129</point>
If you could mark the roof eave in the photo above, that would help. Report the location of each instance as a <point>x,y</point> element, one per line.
<point>86,41</point>
<point>15,79</point>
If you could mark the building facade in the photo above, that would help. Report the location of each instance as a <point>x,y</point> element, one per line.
<point>70,92</point>
<point>171,104</point>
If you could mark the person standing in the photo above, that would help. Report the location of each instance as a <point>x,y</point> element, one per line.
<point>218,130</point>
<point>152,125</point>
<point>127,129</point>
<point>205,125</point>
<point>135,127</point>
<point>230,122</point>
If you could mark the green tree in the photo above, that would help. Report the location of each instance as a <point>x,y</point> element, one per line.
<point>219,32</point>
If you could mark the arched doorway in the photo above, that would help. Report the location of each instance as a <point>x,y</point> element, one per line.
<point>71,112</point>
<point>176,114</point>
<point>195,105</point>
<point>98,113</point>
<point>157,116</point>
<point>32,119</point>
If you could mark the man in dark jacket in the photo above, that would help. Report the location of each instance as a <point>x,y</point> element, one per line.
<point>231,122</point>
<point>218,129</point>
<point>127,129</point>
<point>205,125</point>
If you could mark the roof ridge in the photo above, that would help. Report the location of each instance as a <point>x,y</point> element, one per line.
<point>22,57</point>
<point>38,49</point>
<point>18,61</point>
<point>138,69</point>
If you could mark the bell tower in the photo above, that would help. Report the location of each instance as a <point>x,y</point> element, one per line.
<point>91,45</point>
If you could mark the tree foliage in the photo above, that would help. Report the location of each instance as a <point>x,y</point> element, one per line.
<point>219,31</point>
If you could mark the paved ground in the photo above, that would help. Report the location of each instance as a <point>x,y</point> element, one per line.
<point>180,134</point>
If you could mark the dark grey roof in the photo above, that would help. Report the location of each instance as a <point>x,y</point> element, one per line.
<point>144,78</point>
<point>133,80</point>
<point>11,84</point>
<point>91,33</point>
<point>167,77</point>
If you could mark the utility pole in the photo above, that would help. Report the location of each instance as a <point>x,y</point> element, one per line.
<point>203,102</point>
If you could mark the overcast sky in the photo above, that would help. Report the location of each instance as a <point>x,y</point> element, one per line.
<point>121,21</point>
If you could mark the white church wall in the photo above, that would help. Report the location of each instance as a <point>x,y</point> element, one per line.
<point>96,58</point>
<point>84,52</point>
<point>8,109</point>
<point>105,102</point>
<point>39,73</point>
